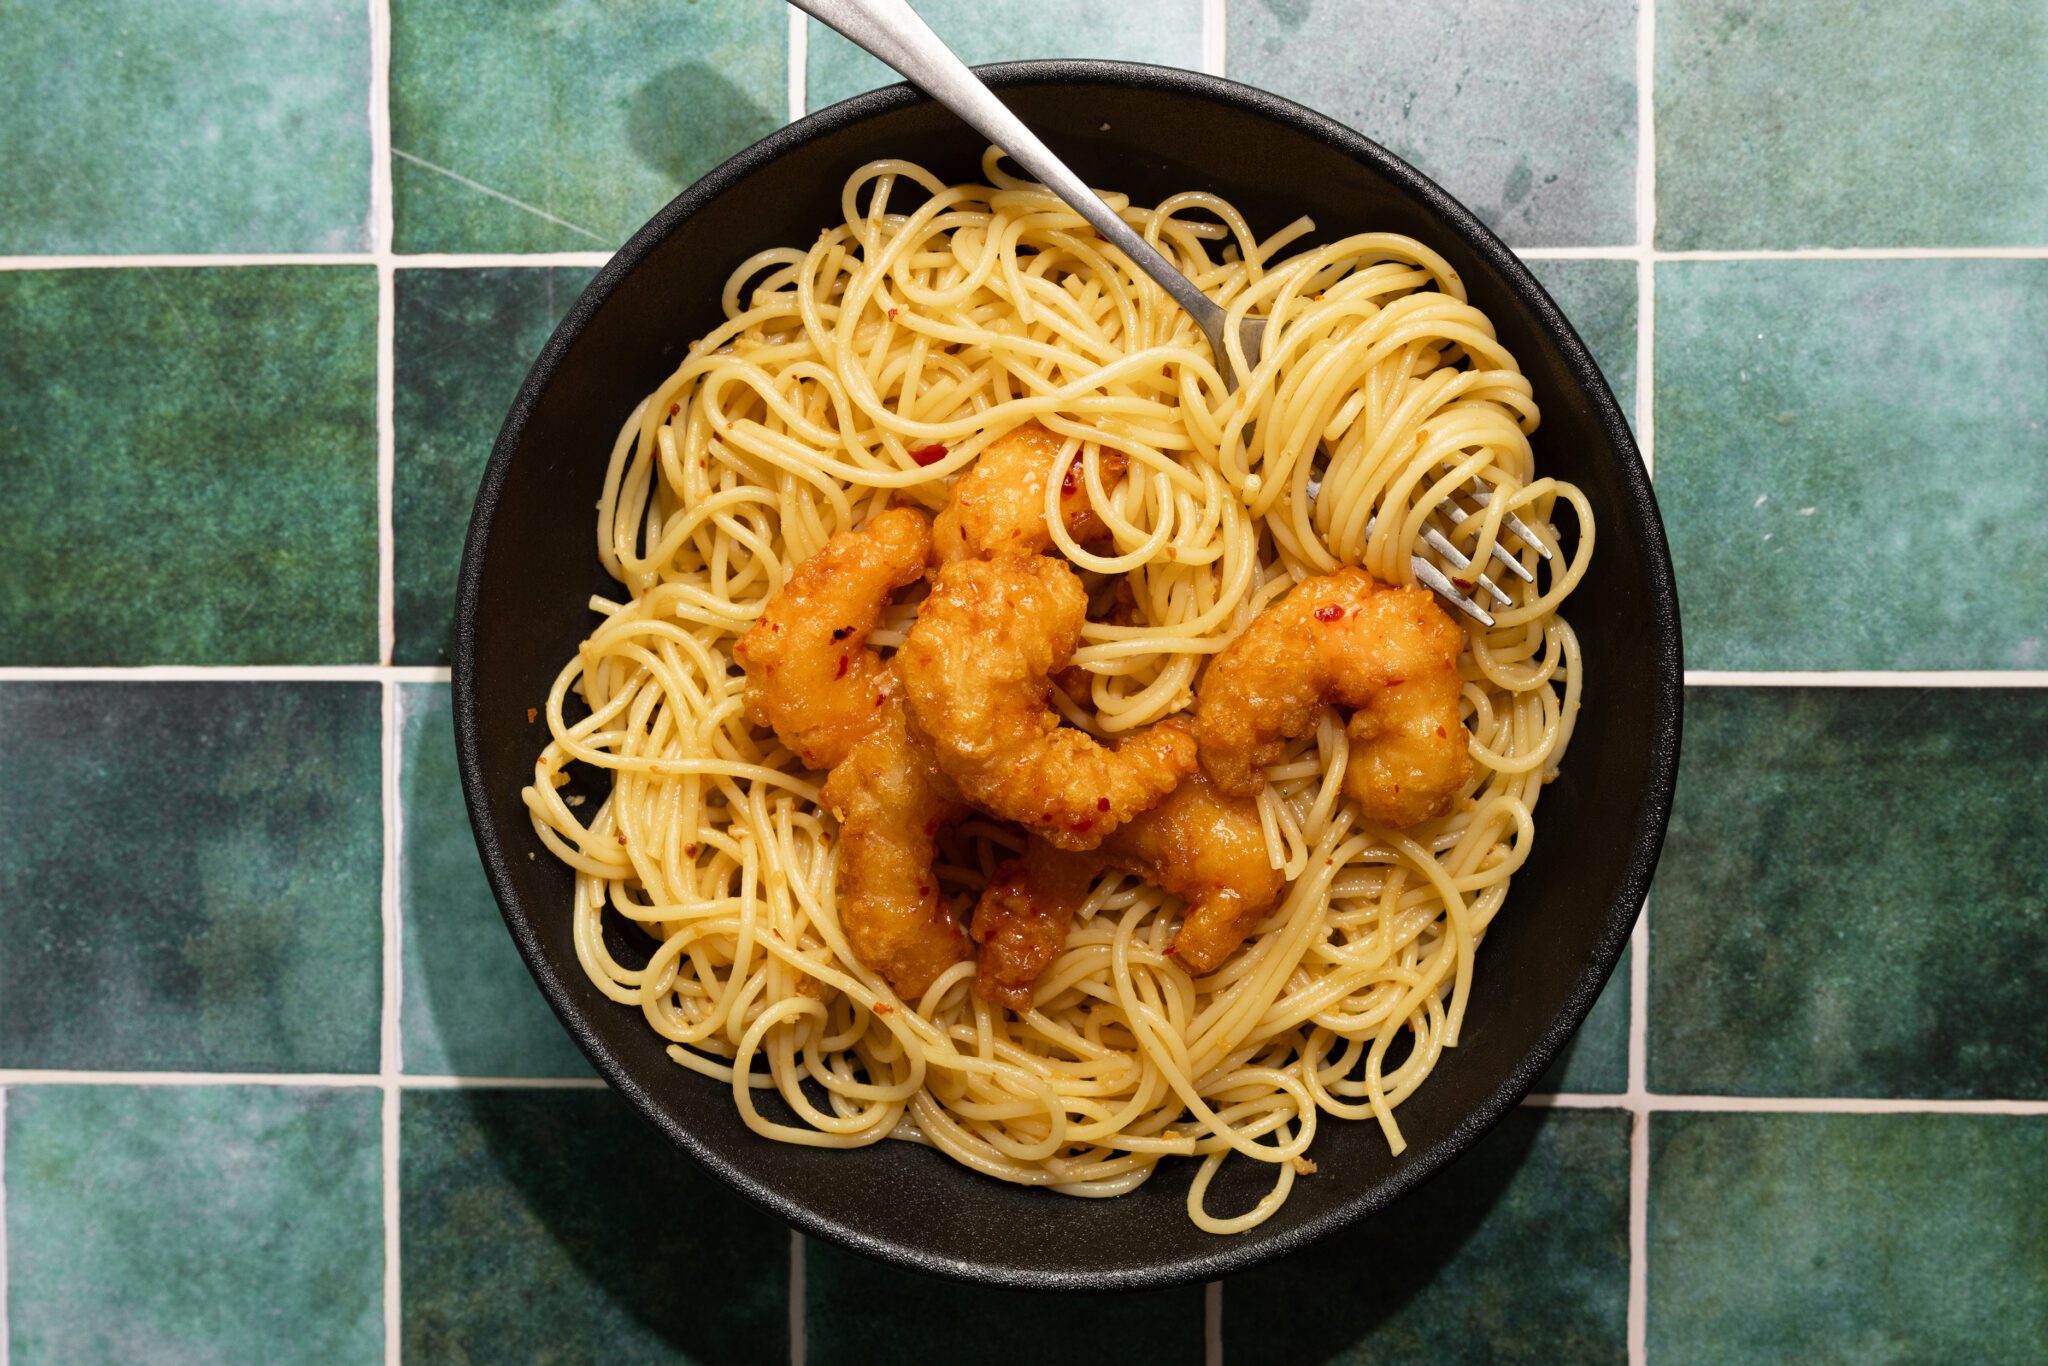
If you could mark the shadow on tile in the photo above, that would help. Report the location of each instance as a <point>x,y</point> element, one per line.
<point>537,1218</point>
<point>1518,1253</point>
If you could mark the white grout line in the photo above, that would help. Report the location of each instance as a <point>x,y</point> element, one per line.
<point>432,1082</point>
<point>1842,1105</point>
<point>799,1342</point>
<point>228,673</point>
<point>387,448</point>
<point>174,261</point>
<point>5,1310</point>
<point>1212,1324</point>
<point>1638,1315</point>
<point>2014,253</point>
<point>1215,37</point>
<point>799,58</point>
<point>478,260</point>
<point>1869,678</point>
<point>390,1050</point>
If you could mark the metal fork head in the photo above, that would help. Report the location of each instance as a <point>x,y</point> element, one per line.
<point>1455,589</point>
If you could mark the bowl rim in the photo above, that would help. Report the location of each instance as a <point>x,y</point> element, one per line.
<point>1665,683</point>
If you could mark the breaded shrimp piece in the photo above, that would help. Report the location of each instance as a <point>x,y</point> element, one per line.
<point>999,503</point>
<point>977,669</point>
<point>810,676</point>
<point>1199,844</point>
<point>891,804</point>
<point>1206,846</point>
<point>1022,919</point>
<point>1392,653</point>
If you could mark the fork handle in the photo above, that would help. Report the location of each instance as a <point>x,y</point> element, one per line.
<point>892,31</point>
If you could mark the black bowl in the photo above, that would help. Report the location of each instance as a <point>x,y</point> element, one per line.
<point>529,568</point>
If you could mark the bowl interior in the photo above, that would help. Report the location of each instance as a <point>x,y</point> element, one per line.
<point>530,568</point>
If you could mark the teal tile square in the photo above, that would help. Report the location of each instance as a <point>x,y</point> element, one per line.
<point>1817,1237</point>
<point>188,459</point>
<point>1851,125</point>
<point>1599,299</point>
<point>463,341</point>
<point>1853,899</point>
<point>1517,1253</point>
<point>469,1007</point>
<point>1852,461</point>
<point>929,1319</point>
<point>135,127</point>
<point>190,876</point>
<point>201,1224</point>
<point>1596,1060</point>
<point>1164,32</point>
<point>1527,116</point>
<point>557,1225</point>
<point>562,125</point>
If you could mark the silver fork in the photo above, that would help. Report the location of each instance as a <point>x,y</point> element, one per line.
<point>893,32</point>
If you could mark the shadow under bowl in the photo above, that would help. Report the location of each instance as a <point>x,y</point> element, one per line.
<point>530,567</point>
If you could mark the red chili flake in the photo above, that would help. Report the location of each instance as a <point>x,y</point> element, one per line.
<point>674,408</point>
<point>884,1008</point>
<point>892,315</point>
<point>1071,480</point>
<point>928,455</point>
<point>622,839</point>
<point>689,851</point>
<point>1102,803</point>
<point>1439,732</point>
<point>924,889</point>
<point>842,632</point>
<point>1170,950</point>
<point>1329,612</point>
<point>880,698</point>
<point>1462,585</point>
<point>842,667</point>
<point>1396,682</point>
<point>531,713</point>
<point>1084,823</point>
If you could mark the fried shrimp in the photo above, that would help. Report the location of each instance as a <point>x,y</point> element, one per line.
<point>1199,843</point>
<point>891,804</point>
<point>999,504</point>
<point>810,676</point>
<point>977,669</point>
<point>1391,653</point>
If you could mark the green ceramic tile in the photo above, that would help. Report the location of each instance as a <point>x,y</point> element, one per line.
<point>188,459</point>
<point>929,1319</point>
<point>562,125</point>
<point>1596,1060</point>
<point>464,340</point>
<point>1852,462</point>
<point>1527,117</point>
<point>1854,1238</point>
<point>556,1225</point>
<point>1518,1253</point>
<point>190,876</point>
<point>1851,125</point>
<point>1165,32</point>
<point>231,126</point>
<point>212,1224</point>
<point>1842,868</point>
<point>1599,300</point>
<point>470,1008</point>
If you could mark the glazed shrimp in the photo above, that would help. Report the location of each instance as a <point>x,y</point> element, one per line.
<point>977,669</point>
<point>1391,653</point>
<point>891,804</point>
<point>999,504</point>
<point>810,676</point>
<point>1199,843</point>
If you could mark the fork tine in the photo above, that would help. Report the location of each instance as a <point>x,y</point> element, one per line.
<point>1513,523</point>
<point>1434,579</point>
<point>1500,553</point>
<point>1436,541</point>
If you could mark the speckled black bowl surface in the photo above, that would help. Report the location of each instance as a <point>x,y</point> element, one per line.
<point>530,567</point>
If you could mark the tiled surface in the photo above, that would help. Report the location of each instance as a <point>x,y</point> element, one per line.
<point>1822,926</point>
<point>188,459</point>
<point>469,1007</point>
<point>564,126</point>
<point>936,1320</point>
<point>1848,918</point>
<point>1164,32</point>
<point>462,342</point>
<point>1518,1254</point>
<point>1851,125</point>
<point>200,1224</point>
<point>189,876</point>
<point>557,1225</point>
<point>1440,91</point>
<point>1891,1237</point>
<point>235,125</point>
<point>1853,460</point>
